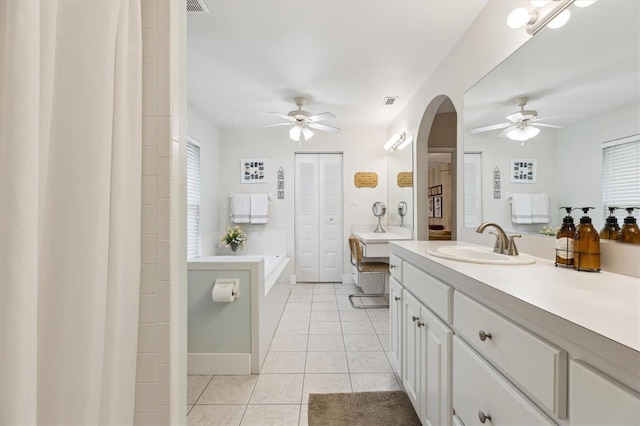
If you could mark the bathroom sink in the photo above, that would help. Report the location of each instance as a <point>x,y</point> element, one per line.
<point>480,255</point>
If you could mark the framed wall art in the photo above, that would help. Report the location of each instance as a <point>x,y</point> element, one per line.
<point>523,170</point>
<point>253,170</point>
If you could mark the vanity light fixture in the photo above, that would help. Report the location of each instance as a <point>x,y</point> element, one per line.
<point>554,13</point>
<point>394,141</point>
<point>407,140</point>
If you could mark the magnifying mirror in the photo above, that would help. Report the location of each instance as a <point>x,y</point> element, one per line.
<point>402,212</point>
<point>379,210</point>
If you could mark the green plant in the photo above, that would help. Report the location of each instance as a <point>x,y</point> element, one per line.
<point>234,236</point>
<point>547,230</point>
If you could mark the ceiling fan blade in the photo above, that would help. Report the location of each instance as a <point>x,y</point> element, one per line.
<point>323,127</point>
<point>320,117</point>
<point>276,124</point>
<point>553,116</point>
<point>490,127</point>
<point>286,117</point>
<point>553,126</point>
<point>515,117</point>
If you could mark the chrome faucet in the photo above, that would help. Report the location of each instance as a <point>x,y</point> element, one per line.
<point>504,244</point>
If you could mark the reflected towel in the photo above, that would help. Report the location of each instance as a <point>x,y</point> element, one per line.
<point>521,208</point>
<point>240,208</point>
<point>259,208</point>
<point>539,208</point>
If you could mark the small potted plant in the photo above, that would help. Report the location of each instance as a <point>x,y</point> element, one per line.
<point>234,237</point>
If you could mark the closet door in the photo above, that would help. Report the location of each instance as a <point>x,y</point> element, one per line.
<point>318,209</point>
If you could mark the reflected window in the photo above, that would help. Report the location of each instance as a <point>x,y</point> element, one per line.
<point>621,174</point>
<point>193,199</point>
<point>472,189</point>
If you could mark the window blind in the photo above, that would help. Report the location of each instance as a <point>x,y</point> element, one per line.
<point>621,174</point>
<point>193,200</point>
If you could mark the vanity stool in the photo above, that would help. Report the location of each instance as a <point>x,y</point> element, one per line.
<point>381,268</point>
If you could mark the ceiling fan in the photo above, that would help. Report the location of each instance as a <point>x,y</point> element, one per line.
<point>521,125</point>
<point>302,121</point>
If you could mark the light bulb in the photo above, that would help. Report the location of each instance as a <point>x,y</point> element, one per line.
<point>518,17</point>
<point>307,133</point>
<point>392,140</point>
<point>522,133</point>
<point>294,133</point>
<point>539,3</point>
<point>584,3</point>
<point>560,20</point>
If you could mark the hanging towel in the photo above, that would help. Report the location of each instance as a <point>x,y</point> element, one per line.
<point>521,208</point>
<point>259,208</point>
<point>539,208</point>
<point>240,208</point>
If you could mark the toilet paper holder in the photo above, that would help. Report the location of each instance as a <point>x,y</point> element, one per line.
<point>221,287</point>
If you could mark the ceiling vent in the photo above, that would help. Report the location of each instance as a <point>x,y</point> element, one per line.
<point>389,100</point>
<point>197,7</point>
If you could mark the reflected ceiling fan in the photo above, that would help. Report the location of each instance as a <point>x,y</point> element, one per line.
<point>521,125</point>
<point>302,122</point>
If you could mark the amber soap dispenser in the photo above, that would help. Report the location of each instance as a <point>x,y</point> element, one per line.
<point>564,240</point>
<point>629,233</point>
<point>586,243</point>
<point>611,227</point>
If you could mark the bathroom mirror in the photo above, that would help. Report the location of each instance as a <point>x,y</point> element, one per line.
<point>584,74</point>
<point>379,210</point>
<point>400,162</point>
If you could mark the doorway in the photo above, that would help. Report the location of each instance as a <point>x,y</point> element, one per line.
<point>318,217</point>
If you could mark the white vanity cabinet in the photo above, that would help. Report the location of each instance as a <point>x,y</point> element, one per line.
<point>426,347</point>
<point>395,317</point>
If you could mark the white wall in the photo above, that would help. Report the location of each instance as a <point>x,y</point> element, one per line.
<point>208,135</point>
<point>362,152</point>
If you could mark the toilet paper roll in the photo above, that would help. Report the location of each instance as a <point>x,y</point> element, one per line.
<point>223,293</point>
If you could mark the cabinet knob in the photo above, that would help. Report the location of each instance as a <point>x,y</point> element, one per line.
<point>484,336</point>
<point>483,417</point>
<point>391,265</point>
<point>420,324</point>
<point>397,298</point>
<point>414,318</point>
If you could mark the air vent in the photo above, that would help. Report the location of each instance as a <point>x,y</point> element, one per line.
<point>197,7</point>
<point>389,100</point>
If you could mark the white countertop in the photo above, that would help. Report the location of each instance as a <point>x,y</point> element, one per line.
<point>604,303</point>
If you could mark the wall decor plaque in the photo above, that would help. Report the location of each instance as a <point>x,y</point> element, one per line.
<point>405,179</point>
<point>365,179</point>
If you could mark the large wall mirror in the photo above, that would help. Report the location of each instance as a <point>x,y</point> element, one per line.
<point>586,75</point>
<point>400,187</point>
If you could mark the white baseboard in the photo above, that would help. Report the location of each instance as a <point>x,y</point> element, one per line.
<point>218,363</point>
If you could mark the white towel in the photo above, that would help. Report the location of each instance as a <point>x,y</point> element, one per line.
<point>240,208</point>
<point>539,208</point>
<point>259,208</point>
<point>521,208</point>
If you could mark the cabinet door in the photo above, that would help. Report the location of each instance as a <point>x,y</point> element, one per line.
<point>595,399</point>
<point>436,392</point>
<point>395,312</point>
<point>411,348</point>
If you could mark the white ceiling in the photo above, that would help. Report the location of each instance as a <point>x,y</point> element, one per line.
<point>249,57</point>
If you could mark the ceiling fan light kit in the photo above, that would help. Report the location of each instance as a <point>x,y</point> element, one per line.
<point>302,122</point>
<point>553,13</point>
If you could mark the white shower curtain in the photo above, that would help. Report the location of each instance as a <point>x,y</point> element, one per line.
<point>70,178</point>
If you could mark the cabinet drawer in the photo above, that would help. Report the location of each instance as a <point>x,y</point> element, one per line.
<point>435,294</point>
<point>395,267</point>
<point>595,399</point>
<point>535,364</point>
<point>478,388</point>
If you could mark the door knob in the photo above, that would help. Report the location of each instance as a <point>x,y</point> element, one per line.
<point>484,336</point>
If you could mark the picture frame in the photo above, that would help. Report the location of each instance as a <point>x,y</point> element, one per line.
<point>253,170</point>
<point>523,170</point>
<point>437,206</point>
<point>431,207</point>
<point>434,190</point>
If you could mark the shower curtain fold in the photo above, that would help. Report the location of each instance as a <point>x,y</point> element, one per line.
<point>70,202</point>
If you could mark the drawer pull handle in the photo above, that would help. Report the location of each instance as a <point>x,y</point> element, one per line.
<point>483,417</point>
<point>420,324</point>
<point>397,298</point>
<point>414,318</point>
<point>484,336</point>
<point>391,265</point>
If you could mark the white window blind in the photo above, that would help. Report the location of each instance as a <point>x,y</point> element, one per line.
<point>472,189</point>
<point>621,174</point>
<point>193,200</point>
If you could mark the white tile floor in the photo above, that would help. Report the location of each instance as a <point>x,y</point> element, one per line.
<point>322,344</point>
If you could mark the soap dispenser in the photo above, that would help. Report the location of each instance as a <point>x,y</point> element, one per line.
<point>564,240</point>
<point>629,233</point>
<point>586,243</point>
<point>611,227</point>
